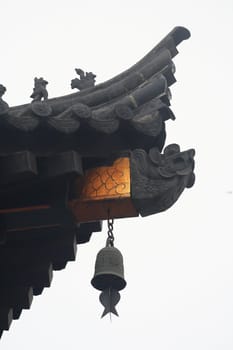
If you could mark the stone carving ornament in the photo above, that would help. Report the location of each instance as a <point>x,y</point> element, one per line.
<point>3,105</point>
<point>159,179</point>
<point>39,91</point>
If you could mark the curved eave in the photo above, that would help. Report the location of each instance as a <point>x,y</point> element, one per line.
<point>169,43</point>
<point>136,100</point>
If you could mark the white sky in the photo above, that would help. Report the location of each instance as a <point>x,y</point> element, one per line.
<point>179,264</point>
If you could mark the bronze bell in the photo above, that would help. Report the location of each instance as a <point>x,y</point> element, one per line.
<point>109,277</point>
<point>109,269</point>
<point>109,273</point>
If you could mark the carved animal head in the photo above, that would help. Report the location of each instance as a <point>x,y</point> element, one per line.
<point>86,80</point>
<point>40,82</point>
<point>81,84</point>
<point>159,179</point>
<point>75,83</point>
<point>90,76</point>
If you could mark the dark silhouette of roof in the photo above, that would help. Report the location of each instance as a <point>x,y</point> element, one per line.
<point>45,145</point>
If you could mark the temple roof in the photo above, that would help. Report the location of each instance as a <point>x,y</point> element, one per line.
<point>48,145</point>
<point>126,112</point>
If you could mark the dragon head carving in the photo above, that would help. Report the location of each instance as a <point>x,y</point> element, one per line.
<point>159,179</point>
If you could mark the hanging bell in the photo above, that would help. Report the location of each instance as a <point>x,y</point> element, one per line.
<point>109,269</point>
<point>109,277</point>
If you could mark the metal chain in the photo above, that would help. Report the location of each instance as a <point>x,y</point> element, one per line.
<point>110,239</point>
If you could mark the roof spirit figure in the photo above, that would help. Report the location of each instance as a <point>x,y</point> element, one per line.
<point>86,80</point>
<point>2,90</point>
<point>39,90</point>
<point>3,105</point>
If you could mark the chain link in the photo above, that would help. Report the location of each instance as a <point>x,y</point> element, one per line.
<point>110,239</point>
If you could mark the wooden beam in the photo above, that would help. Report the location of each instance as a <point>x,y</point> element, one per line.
<point>17,312</point>
<point>66,163</point>
<point>19,166</point>
<point>32,275</point>
<point>6,317</point>
<point>85,230</point>
<point>38,290</point>
<point>59,265</point>
<point>16,297</point>
<point>103,192</point>
<point>24,252</point>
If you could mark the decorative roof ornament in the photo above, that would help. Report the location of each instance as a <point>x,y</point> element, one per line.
<point>3,105</point>
<point>39,105</point>
<point>86,80</point>
<point>39,91</point>
<point>2,90</point>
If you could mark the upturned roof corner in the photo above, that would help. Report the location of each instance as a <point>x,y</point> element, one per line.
<point>67,162</point>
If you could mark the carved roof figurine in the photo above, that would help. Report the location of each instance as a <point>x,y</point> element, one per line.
<point>3,105</point>
<point>2,90</point>
<point>39,105</point>
<point>39,90</point>
<point>86,80</point>
<point>67,162</point>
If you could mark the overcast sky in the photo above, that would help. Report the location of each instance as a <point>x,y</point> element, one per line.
<point>179,264</point>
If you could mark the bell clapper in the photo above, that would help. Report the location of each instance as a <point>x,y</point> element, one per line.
<point>109,298</point>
